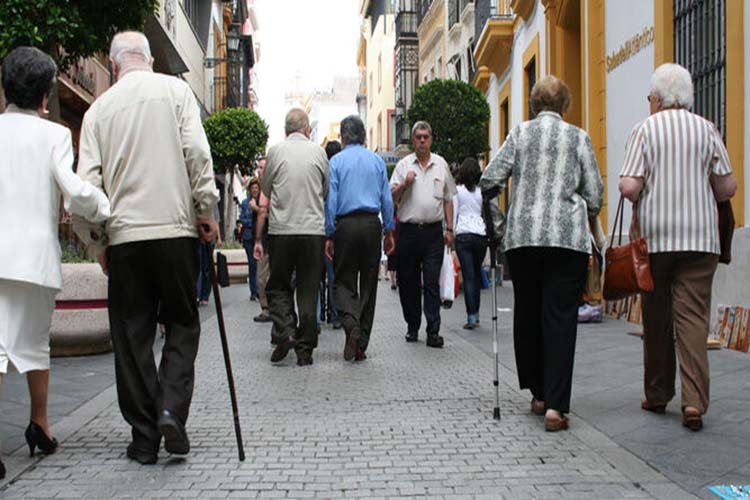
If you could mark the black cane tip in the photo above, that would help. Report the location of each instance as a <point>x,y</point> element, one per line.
<point>242,456</point>
<point>496,413</point>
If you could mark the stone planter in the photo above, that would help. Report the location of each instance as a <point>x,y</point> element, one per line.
<point>80,322</point>
<point>237,264</point>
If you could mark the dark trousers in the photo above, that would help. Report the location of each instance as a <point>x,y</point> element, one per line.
<point>204,271</point>
<point>146,277</point>
<point>356,259</point>
<point>471,249</point>
<point>547,283</point>
<point>675,319</point>
<point>301,255</point>
<point>420,256</point>
<point>252,267</point>
<point>333,314</point>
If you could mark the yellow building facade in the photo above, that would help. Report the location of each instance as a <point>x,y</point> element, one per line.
<point>606,51</point>
<point>376,61</point>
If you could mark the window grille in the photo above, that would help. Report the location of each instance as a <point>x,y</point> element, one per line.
<point>700,46</point>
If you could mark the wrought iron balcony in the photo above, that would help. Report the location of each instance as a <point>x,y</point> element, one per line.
<point>406,24</point>
<point>484,10</point>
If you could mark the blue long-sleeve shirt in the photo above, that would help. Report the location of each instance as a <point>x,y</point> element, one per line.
<point>358,181</point>
<point>246,219</point>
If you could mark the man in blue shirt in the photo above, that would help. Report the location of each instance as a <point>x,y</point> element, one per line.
<point>358,191</point>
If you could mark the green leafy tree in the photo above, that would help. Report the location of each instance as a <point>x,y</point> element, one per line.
<point>237,136</point>
<point>68,29</point>
<point>459,116</point>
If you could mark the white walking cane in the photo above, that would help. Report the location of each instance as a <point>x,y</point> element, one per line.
<point>493,241</point>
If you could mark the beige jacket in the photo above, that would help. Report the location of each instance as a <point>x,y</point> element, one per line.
<point>143,143</point>
<point>296,181</point>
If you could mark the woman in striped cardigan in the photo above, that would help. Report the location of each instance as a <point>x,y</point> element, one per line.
<point>556,189</point>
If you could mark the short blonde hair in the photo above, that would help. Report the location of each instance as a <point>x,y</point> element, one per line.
<point>550,94</point>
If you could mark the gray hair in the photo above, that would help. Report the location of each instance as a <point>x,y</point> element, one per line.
<point>296,121</point>
<point>130,46</point>
<point>353,130</point>
<point>421,125</point>
<point>673,85</point>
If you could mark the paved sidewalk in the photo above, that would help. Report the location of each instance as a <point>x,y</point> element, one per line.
<point>409,421</point>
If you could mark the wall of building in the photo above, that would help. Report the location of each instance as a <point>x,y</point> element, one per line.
<point>432,41</point>
<point>627,85</point>
<point>380,94</point>
<point>458,40</point>
<point>192,53</point>
<point>523,38</point>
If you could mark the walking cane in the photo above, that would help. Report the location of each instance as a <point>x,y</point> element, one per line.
<point>227,361</point>
<point>487,198</point>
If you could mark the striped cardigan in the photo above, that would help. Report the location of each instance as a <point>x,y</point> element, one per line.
<point>556,184</point>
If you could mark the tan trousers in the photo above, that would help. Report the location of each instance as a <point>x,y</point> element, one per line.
<point>676,317</point>
<point>264,271</point>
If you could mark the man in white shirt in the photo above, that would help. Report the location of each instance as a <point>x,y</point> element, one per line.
<point>143,143</point>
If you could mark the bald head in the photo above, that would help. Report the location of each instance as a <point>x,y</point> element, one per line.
<point>296,121</point>
<point>130,50</point>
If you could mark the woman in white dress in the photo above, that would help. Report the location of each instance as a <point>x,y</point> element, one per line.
<point>36,167</point>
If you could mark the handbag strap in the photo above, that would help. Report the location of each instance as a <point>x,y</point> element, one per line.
<point>618,219</point>
<point>617,225</point>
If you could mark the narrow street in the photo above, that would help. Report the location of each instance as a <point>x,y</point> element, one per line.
<point>409,421</point>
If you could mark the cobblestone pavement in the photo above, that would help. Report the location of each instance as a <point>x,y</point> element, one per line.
<point>408,422</point>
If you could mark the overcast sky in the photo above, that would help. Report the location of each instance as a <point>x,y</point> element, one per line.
<point>316,39</point>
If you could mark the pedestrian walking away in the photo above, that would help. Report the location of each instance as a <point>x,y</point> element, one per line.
<point>678,220</point>
<point>36,167</point>
<point>332,148</point>
<point>248,218</point>
<point>556,189</point>
<point>423,188</point>
<point>261,235</point>
<point>295,181</point>
<point>149,246</point>
<point>357,194</point>
<point>471,239</point>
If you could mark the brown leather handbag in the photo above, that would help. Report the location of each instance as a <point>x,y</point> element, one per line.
<point>627,269</point>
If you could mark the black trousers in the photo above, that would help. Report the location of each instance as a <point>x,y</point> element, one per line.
<point>303,255</point>
<point>146,278</point>
<point>356,259</point>
<point>547,285</point>
<point>420,256</point>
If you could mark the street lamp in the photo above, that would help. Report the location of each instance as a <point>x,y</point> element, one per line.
<point>233,45</point>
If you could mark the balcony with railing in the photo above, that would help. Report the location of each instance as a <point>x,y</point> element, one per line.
<point>423,6</point>
<point>494,39</point>
<point>455,10</point>
<point>406,24</point>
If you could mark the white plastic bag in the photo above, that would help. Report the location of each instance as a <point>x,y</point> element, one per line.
<point>447,280</point>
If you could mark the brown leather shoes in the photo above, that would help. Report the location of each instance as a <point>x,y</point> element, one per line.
<point>660,409</point>
<point>304,359</point>
<point>282,349</point>
<point>691,418</point>
<point>555,423</point>
<point>537,407</point>
<point>351,347</point>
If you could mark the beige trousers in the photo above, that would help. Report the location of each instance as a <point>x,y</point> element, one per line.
<point>676,319</point>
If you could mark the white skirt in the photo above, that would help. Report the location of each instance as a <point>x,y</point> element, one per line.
<point>25,317</point>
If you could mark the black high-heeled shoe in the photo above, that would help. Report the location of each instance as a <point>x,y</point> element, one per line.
<point>36,438</point>
<point>2,470</point>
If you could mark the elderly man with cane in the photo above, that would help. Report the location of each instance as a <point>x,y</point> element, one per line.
<point>163,195</point>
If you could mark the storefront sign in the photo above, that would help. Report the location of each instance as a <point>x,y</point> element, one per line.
<point>630,48</point>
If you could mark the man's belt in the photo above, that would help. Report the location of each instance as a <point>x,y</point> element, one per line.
<point>423,225</point>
